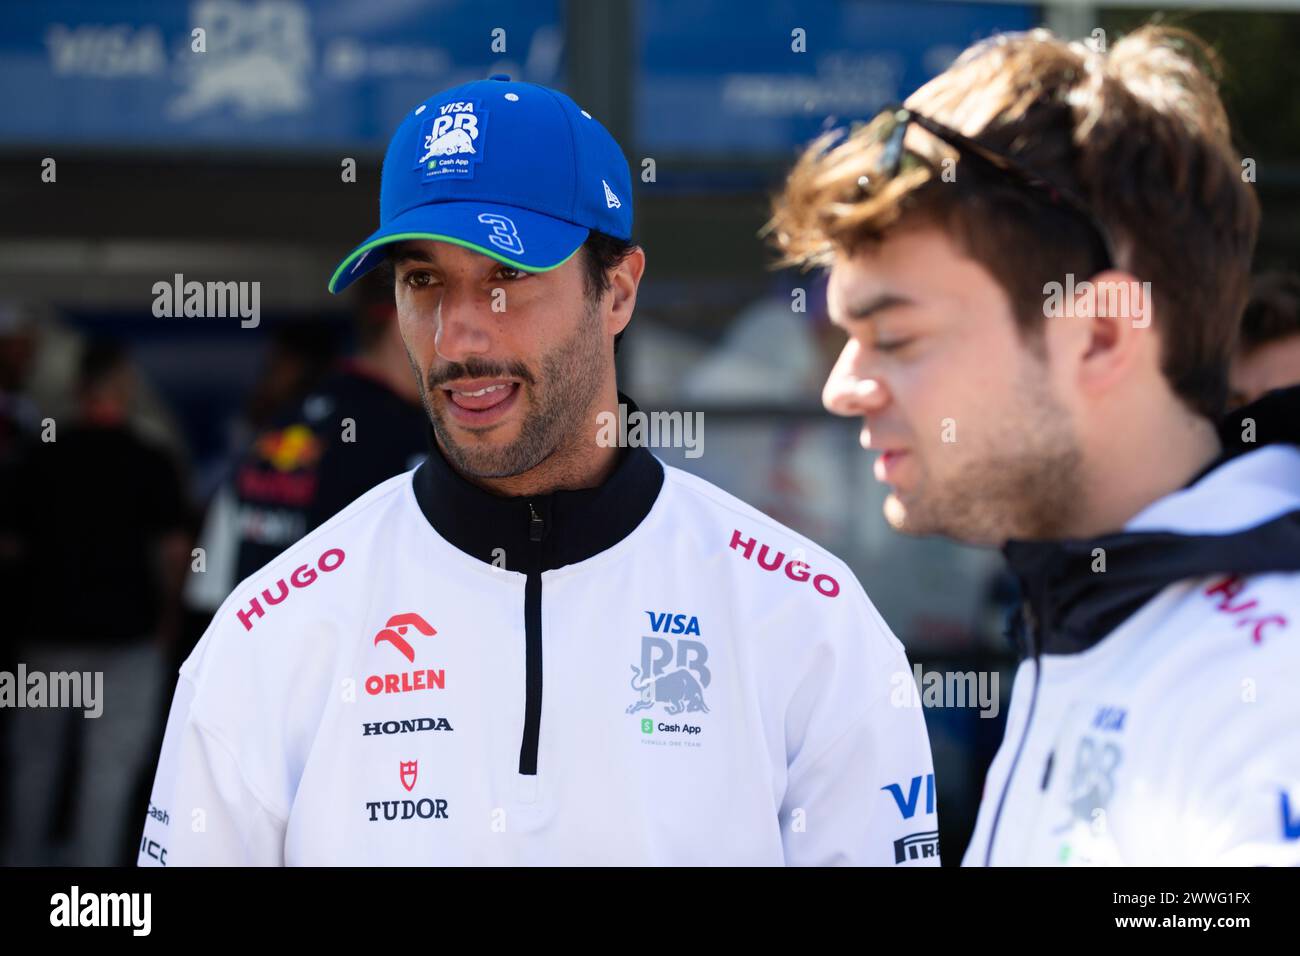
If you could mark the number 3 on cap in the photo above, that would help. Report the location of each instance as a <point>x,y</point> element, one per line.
<point>503,232</point>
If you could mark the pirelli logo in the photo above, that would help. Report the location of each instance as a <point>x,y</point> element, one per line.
<point>917,846</point>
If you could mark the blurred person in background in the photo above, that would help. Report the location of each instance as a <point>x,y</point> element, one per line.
<point>1268,351</point>
<point>362,424</point>
<point>300,356</point>
<point>1153,719</point>
<point>775,350</point>
<point>19,418</point>
<point>19,422</point>
<point>98,516</point>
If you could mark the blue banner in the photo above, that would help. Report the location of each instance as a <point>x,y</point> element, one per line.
<point>735,77</point>
<point>272,73</point>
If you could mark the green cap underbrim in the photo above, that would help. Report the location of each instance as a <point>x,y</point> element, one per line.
<point>402,236</point>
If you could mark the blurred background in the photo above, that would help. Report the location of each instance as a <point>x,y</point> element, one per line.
<point>126,159</point>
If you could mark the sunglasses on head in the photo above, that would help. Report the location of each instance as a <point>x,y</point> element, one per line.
<point>892,129</point>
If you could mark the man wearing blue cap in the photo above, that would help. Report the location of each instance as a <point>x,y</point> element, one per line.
<point>535,648</point>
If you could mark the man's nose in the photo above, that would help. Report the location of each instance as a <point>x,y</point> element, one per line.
<point>464,324</point>
<point>850,390</point>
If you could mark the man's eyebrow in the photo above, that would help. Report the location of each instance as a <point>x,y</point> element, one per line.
<point>405,253</point>
<point>861,311</point>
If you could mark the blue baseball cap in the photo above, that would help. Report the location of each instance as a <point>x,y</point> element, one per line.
<point>515,171</point>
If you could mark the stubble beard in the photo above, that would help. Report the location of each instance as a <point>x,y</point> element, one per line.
<point>558,401</point>
<point>1025,483</point>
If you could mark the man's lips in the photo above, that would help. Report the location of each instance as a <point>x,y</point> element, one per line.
<point>481,401</point>
<point>885,468</point>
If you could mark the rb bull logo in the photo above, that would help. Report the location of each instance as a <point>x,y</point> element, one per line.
<point>682,688</point>
<point>1092,783</point>
<point>454,131</point>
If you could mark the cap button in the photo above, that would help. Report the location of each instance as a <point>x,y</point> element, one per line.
<point>500,76</point>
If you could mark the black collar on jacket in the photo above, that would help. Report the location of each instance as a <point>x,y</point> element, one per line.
<point>1067,607</point>
<point>572,525</point>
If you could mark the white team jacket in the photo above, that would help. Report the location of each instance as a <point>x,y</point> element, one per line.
<point>651,672</point>
<point>1174,739</point>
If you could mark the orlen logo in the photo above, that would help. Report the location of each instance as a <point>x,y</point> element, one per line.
<point>394,633</point>
<point>799,571</point>
<point>301,577</point>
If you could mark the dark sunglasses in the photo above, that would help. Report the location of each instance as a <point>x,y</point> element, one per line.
<point>893,122</point>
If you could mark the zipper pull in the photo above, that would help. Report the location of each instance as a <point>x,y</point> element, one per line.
<point>535,524</point>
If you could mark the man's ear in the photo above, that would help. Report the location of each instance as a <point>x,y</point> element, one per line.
<point>624,279</point>
<point>1114,313</point>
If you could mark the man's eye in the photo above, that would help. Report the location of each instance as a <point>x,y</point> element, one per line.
<point>510,272</point>
<point>891,345</point>
<point>417,280</point>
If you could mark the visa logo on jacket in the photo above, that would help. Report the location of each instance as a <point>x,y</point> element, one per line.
<point>666,623</point>
<point>907,806</point>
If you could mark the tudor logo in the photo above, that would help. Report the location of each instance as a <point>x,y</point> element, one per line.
<point>426,808</point>
<point>394,633</point>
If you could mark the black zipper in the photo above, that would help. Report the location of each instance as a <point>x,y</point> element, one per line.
<point>1031,631</point>
<point>537,525</point>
